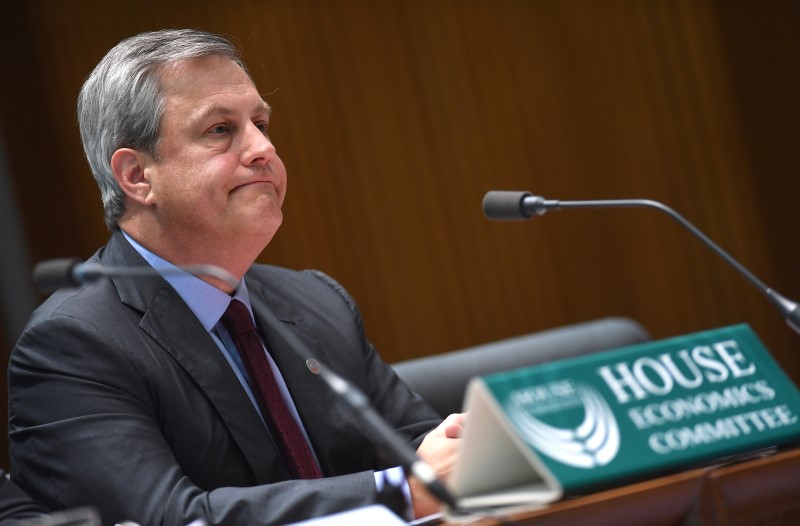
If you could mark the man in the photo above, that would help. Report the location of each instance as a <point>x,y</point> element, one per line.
<point>138,395</point>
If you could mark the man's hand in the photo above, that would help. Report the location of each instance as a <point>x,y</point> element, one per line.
<point>438,450</point>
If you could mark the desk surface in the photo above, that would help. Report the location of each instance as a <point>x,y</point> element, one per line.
<point>762,491</point>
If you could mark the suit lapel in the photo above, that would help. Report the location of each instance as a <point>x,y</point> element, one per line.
<point>291,343</point>
<point>169,322</point>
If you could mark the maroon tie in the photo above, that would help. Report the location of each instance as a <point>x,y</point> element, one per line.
<point>290,440</point>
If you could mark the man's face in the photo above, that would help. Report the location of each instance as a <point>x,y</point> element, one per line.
<point>218,174</point>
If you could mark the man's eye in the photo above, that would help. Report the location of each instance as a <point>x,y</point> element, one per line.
<point>263,127</point>
<point>219,128</point>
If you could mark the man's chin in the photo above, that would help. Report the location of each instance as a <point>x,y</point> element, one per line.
<point>266,229</point>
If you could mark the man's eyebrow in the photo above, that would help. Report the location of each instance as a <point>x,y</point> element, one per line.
<point>263,107</point>
<point>219,109</point>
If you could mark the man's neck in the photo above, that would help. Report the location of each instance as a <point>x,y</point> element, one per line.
<point>179,252</point>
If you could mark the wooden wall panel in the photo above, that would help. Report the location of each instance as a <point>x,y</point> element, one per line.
<point>394,118</point>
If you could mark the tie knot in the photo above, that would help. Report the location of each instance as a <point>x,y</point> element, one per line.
<point>237,319</point>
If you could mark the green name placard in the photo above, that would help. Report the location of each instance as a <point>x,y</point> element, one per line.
<point>605,419</point>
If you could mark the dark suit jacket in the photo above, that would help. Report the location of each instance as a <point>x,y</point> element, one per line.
<point>15,505</point>
<point>119,398</point>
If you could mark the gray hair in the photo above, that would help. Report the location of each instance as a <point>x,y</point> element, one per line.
<point>121,103</point>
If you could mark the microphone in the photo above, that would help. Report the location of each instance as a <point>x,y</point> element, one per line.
<point>514,205</point>
<point>53,274</point>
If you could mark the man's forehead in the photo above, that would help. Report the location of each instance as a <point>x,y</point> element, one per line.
<point>212,86</point>
<point>203,73</point>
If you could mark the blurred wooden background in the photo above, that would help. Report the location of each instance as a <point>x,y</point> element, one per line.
<point>394,119</point>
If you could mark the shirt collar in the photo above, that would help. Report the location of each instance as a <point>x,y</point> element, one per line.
<point>207,302</point>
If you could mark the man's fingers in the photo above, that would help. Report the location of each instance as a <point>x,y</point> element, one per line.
<point>453,425</point>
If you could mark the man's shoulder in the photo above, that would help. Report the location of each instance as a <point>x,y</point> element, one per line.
<point>272,276</point>
<point>78,302</point>
<point>92,298</point>
<point>298,286</point>
<point>265,272</point>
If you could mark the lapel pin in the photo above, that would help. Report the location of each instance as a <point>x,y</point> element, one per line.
<point>313,365</point>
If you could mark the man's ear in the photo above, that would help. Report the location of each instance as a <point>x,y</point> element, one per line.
<point>128,167</point>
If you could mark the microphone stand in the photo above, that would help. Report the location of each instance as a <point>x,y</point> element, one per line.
<point>381,433</point>
<point>375,428</point>
<point>53,274</point>
<point>501,205</point>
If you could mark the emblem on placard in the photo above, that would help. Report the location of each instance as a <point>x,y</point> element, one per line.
<point>568,421</point>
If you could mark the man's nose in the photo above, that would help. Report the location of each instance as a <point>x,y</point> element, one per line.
<point>258,146</point>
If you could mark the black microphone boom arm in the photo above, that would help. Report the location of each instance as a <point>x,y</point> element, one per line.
<point>511,205</point>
